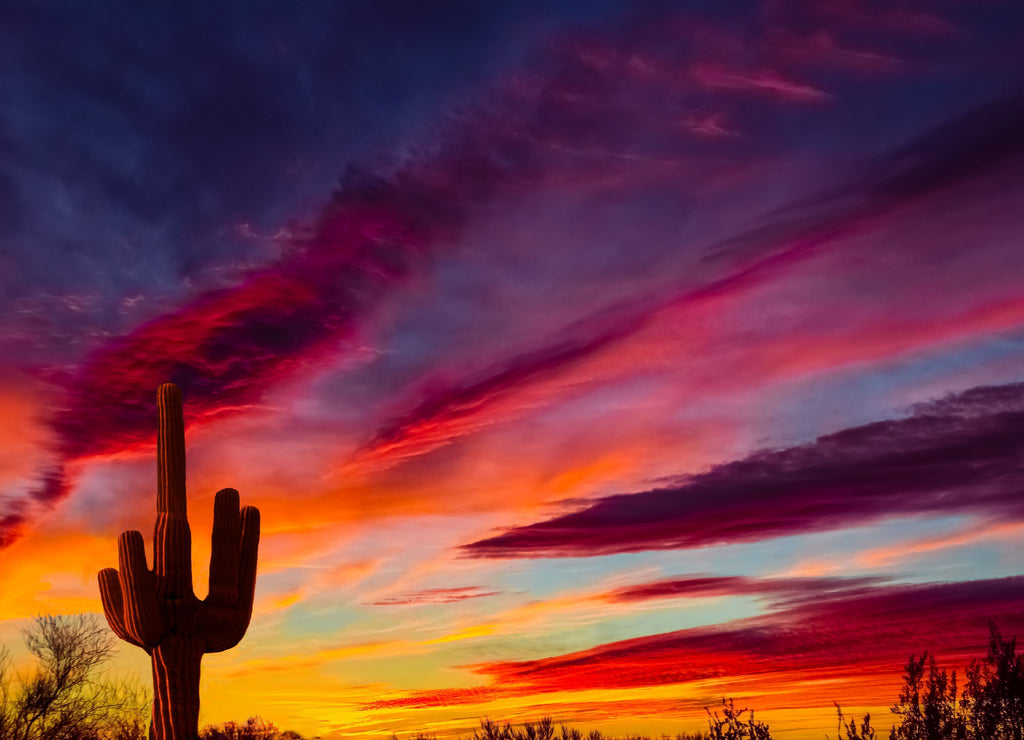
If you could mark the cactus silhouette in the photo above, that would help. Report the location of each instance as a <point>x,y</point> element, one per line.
<point>157,609</point>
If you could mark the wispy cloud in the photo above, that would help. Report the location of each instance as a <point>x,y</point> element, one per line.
<point>436,596</point>
<point>842,634</point>
<point>951,155</point>
<point>575,109</point>
<point>959,455</point>
<point>775,590</point>
<point>760,81</point>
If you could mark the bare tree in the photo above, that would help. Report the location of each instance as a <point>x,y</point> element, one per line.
<point>66,696</point>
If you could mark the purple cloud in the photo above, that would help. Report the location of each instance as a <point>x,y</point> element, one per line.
<point>961,455</point>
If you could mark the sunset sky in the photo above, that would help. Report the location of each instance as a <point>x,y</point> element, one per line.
<point>588,359</point>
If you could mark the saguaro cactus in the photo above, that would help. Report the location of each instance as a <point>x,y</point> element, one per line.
<point>157,609</point>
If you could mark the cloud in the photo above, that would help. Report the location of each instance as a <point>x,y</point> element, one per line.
<point>760,81</point>
<point>436,596</point>
<point>951,155</point>
<point>578,109</point>
<point>959,455</point>
<point>226,347</point>
<point>839,634</point>
<point>777,590</point>
<point>822,48</point>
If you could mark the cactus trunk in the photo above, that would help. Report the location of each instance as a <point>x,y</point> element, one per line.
<point>157,609</point>
<point>176,688</point>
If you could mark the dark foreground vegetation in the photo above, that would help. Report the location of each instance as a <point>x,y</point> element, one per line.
<point>68,696</point>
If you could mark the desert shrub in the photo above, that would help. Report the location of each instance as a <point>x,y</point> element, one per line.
<point>254,728</point>
<point>491,730</point>
<point>544,729</point>
<point>730,726</point>
<point>850,728</point>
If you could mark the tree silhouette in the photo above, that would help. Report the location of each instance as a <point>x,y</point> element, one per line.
<point>928,703</point>
<point>991,706</point>
<point>994,695</point>
<point>62,697</point>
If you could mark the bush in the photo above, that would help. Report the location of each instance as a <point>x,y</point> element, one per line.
<point>731,726</point>
<point>864,732</point>
<point>255,728</point>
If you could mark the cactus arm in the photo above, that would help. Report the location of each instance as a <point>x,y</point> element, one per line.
<point>250,551</point>
<point>246,573</point>
<point>225,615</point>
<point>224,547</point>
<point>113,604</point>
<point>142,615</point>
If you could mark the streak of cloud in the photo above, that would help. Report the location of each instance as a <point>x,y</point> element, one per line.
<point>776,590</point>
<point>959,455</point>
<point>951,155</point>
<point>842,634</point>
<point>436,596</point>
<point>228,346</point>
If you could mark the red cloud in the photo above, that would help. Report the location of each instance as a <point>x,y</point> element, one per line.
<point>858,637</point>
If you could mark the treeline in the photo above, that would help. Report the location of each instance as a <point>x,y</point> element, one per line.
<point>66,696</point>
<point>990,706</point>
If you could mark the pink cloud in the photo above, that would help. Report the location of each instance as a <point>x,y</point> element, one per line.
<point>436,596</point>
<point>760,81</point>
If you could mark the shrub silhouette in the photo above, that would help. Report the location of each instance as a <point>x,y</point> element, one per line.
<point>254,728</point>
<point>730,726</point>
<point>63,697</point>
<point>851,730</point>
<point>157,609</point>
<point>542,730</point>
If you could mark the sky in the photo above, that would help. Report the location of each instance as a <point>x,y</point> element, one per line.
<point>597,360</point>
